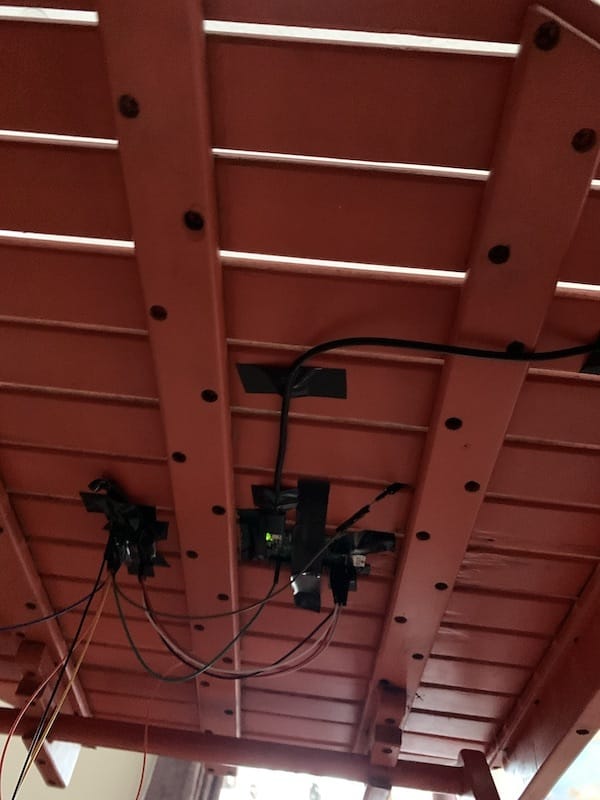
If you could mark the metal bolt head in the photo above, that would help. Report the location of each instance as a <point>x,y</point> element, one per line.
<point>547,35</point>
<point>584,140</point>
<point>128,106</point>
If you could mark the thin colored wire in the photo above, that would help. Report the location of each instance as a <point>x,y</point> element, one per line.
<point>28,705</point>
<point>72,679</point>
<point>61,675</point>
<point>191,660</point>
<point>406,344</point>
<point>54,615</point>
<point>20,716</point>
<point>146,726</point>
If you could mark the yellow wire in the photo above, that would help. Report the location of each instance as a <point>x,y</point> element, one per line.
<point>69,686</point>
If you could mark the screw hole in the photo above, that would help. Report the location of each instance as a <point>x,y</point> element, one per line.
<point>386,750</point>
<point>128,106</point>
<point>547,35</point>
<point>193,220</point>
<point>400,620</point>
<point>418,656</point>
<point>453,423</point>
<point>423,536</point>
<point>228,660</point>
<point>582,732</point>
<point>191,553</point>
<point>31,606</point>
<point>158,313</point>
<point>204,684</point>
<point>179,457</point>
<point>472,486</point>
<point>222,596</point>
<point>198,627</point>
<point>210,396</point>
<point>499,254</point>
<point>218,510</point>
<point>229,712</point>
<point>441,586</point>
<point>584,140</point>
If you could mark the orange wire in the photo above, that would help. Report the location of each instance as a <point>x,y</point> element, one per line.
<point>146,726</point>
<point>85,641</point>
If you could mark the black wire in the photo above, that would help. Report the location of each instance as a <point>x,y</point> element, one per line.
<point>260,673</point>
<point>197,671</point>
<point>138,655</point>
<point>340,532</point>
<point>74,642</point>
<point>54,615</point>
<point>408,344</point>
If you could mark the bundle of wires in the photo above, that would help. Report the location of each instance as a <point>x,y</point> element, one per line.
<point>299,656</point>
<point>53,707</point>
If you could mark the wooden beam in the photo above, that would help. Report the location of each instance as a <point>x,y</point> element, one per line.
<point>532,204</point>
<point>163,125</point>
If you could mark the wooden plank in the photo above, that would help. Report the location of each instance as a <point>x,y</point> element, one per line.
<point>399,306</point>
<point>505,572</point>
<point>470,675</point>
<point>492,646</point>
<point>333,213</point>
<point>550,528</point>
<point>86,361</point>
<point>454,727</point>
<point>60,71</point>
<point>296,728</point>
<point>488,20</point>
<point>300,706</point>
<point>519,614</point>
<point>95,289</point>
<point>353,102</point>
<point>450,700</point>
<point>64,190</point>
<point>81,425</point>
<point>523,471</point>
<point>572,404</point>
<point>583,257</point>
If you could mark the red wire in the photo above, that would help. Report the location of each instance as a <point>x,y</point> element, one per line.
<point>20,716</point>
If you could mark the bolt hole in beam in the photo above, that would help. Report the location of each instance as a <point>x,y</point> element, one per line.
<point>423,536</point>
<point>179,457</point>
<point>453,423</point>
<point>499,254</point>
<point>223,597</point>
<point>193,220</point>
<point>584,140</point>
<point>218,510</point>
<point>191,554</point>
<point>159,313</point>
<point>210,396</point>
<point>472,486</point>
<point>401,620</point>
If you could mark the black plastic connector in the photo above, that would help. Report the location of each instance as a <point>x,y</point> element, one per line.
<point>133,529</point>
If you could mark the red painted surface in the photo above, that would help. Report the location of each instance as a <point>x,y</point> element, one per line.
<point>91,385</point>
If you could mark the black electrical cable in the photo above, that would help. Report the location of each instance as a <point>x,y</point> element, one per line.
<point>340,532</point>
<point>261,673</point>
<point>74,642</point>
<point>54,615</point>
<point>199,671</point>
<point>407,344</point>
